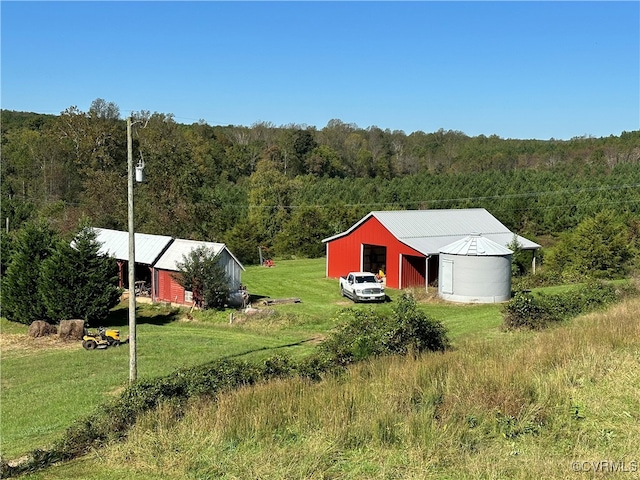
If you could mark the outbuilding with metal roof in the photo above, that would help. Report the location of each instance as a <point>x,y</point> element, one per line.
<point>169,290</point>
<point>157,258</point>
<point>148,248</point>
<point>406,244</point>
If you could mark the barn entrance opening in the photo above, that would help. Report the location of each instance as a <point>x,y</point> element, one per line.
<point>374,258</point>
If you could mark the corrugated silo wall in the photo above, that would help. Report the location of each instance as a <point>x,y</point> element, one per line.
<point>477,279</point>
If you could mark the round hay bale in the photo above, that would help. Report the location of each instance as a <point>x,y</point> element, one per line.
<point>71,329</point>
<point>40,328</point>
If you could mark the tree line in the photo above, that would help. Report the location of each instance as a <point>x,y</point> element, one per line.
<point>286,188</point>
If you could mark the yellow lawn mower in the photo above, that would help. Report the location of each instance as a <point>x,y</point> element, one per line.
<point>104,338</point>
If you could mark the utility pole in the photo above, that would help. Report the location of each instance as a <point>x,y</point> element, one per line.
<point>133,359</point>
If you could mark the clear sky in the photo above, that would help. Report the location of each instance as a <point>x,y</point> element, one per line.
<point>513,69</point>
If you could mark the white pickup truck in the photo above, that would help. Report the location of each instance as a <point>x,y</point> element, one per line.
<point>362,287</point>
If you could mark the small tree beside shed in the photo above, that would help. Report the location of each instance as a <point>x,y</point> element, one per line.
<point>202,273</point>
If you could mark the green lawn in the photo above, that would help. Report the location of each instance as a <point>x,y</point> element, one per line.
<point>46,386</point>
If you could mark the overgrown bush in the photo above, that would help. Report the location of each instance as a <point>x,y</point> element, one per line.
<point>367,333</point>
<point>526,310</point>
<point>543,277</point>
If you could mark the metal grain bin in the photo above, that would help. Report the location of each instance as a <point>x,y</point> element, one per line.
<point>475,270</point>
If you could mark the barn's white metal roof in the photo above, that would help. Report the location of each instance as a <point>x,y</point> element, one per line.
<point>181,248</point>
<point>116,244</point>
<point>475,245</point>
<point>427,231</point>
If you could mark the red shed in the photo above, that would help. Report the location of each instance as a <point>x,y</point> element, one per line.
<point>169,290</point>
<point>405,244</point>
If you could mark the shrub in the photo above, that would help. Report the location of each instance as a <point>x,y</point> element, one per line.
<point>534,312</point>
<point>544,277</point>
<point>202,272</point>
<point>525,311</point>
<point>415,330</point>
<point>365,334</point>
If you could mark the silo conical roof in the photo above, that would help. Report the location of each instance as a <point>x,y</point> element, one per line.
<point>475,245</point>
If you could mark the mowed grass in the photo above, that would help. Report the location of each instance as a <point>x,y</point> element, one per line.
<point>47,384</point>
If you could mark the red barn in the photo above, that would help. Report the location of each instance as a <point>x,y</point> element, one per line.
<point>405,244</point>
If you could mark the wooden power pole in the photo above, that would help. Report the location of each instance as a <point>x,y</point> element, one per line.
<point>133,359</point>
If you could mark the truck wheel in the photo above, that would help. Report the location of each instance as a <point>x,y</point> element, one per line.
<point>341,292</point>
<point>89,344</point>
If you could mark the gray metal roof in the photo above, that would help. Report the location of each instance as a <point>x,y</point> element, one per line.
<point>180,248</point>
<point>116,244</point>
<point>475,245</point>
<point>427,231</point>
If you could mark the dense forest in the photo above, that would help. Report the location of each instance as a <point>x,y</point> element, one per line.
<point>287,187</point>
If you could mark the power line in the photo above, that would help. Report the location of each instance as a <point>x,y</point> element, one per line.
<point>456,200</point>
<point>398,203</point>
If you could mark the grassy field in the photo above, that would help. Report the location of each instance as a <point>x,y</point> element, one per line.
<point>561,403</point>
<point>47,384</point>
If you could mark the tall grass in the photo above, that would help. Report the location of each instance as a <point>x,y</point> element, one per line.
<point>521,406</point>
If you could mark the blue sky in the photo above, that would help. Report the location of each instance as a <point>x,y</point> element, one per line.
<point>514,69</point>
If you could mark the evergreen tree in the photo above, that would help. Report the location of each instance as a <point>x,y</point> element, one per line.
<point>519,258</point>
<point>202,273</point>
<point>6,249</point>
<point>243,240</point>
<point>79,282</point>
<point>21,299</point>
<point>598,247</point>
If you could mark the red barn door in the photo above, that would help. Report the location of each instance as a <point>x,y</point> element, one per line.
<point>413,271</point>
